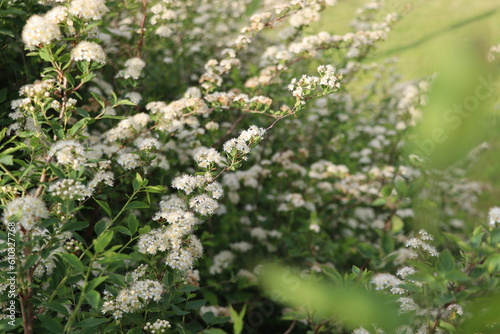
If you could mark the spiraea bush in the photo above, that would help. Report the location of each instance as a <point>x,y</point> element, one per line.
<point>158,153</point>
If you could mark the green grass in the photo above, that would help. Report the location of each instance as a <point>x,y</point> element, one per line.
<point>429,33</point>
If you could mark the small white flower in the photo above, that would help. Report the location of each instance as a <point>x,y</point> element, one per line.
<point>88,51</point>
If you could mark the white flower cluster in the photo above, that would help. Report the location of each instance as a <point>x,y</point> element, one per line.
<point>147,144</point>
<point>291,201</point>
<point>132,298</point>
<point>133,68</point>
<point>221,261</point>
<point>207,157</point>
<point>169,117</point>
<point>70,189</point>
<point>88,9</point>
<point>159,326</point>
<point>129,161</point>
<point>241,145</point>
<point>494,216</point>
<point>101,177</point>
<point>40,30</point>
<point>25,212</point>
<point>384,280</point>
<point>242,246</point>
<point>303,87</point>
<point>68,153</point>
<point>329,80</point>
<point>176,238</point>
<point>134,97</point>
<point>421,242</point>
<point>89,51</point>
<point>323,169</point>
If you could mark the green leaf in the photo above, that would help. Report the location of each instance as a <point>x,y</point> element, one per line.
<point>100,226</point>
<point>122,230</point>
<point>73,261</point>
<point>387,243</point>
<point>30,261</point>
<point>401,186</point>
<point>7,160</point>
<point>104,206</point>
<point>188,288</point>
<point>137,182</point>
<point>178,311</point>
<point>445,262</point>
<point>237,318</point>
<point>356,270</point>
<point>195,304</point>
<point>125,102</point>
<point>397,224</point>
<point>78,125</point>
<point>95,283</point>
<point>93,298</point>
<point>145,229</point>
<point>92,322</point>
<point>379,202</point>
<point>57,171</point>
<point>3,95</point>
<point>83,112</point>
<point>8,33</point>
<point>50,323</point>
<point>214,331</point>
<point>102,241</point>
<point>136,205</point>
<point>386,190</point>
<point>352,305</point>
<point>74,225</point>
<point>56,306</point>
<point>136,330</point>
<point>44,54</point>
<point>132,223</point>
<point>495,236</point>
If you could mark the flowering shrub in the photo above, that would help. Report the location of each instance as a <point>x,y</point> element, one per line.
<point>166,148</point>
